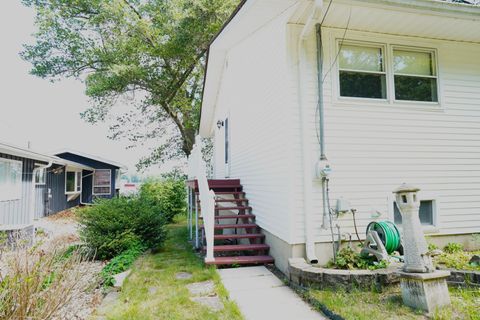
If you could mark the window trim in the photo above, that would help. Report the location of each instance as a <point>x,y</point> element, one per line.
<point>334,37</point>
<point>76,181</point>
<point>434,53</point>
<point>436,204</point>
<point>383,47</point>
<point>102,186</point>
<point>36,165</point>
<point>18,194</point>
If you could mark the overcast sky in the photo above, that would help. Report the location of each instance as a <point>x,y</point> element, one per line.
<point>46,114</point>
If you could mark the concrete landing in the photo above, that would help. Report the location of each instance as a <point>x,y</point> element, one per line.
<point>261,295</point>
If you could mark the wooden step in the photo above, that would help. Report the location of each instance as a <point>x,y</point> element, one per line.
<point>233,208</point>
<point>241,247</point>
<point>227,192</point>
<point>234,216</point>
<point>231,200</point>
<point>242,260</point>
<point>236,226</point>
<point>238,236</point>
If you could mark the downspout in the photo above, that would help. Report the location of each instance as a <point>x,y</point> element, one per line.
<point>307,165</point>
<point>323,163</point>
<point>33,194</point>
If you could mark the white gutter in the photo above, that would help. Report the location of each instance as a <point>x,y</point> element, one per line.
<point>33,194</point>
<point>308,175</point>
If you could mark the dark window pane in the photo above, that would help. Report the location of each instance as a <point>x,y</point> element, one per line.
<point>70,181</point>
<point>426,213</point>
<point>362,85</point>
<point>415,88</point>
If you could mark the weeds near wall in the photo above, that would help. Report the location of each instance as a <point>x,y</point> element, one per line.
<point>37,281</point>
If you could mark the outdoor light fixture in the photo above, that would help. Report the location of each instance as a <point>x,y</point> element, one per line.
<point>219,124</point>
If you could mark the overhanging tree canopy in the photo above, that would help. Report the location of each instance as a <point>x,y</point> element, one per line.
<point>153,49</point>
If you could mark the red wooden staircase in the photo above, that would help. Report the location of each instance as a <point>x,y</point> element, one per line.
<point>238,240</point>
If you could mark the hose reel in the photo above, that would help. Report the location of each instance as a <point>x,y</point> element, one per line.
<point>383,238</point>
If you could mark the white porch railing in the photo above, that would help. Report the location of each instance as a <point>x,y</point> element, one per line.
<point>197,171</point>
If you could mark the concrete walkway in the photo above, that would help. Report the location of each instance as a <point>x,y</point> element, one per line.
<point>261,295</point>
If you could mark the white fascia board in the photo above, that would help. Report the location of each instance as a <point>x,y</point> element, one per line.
<point>434,7</point>
<point>24,153</point>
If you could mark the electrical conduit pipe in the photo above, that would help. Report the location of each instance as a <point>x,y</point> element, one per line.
<point>308,175</point>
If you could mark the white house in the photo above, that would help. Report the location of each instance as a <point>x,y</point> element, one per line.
<point>374,92</point>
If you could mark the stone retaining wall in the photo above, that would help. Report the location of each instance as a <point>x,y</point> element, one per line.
<point>303,274</point>
<point>464,278</point>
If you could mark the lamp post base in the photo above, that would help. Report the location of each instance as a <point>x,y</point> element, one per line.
<point>425,291</point>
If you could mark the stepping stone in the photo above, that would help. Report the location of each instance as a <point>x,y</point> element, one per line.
<point>110,299</point>
<point>183,276</point>
<point>205,288</point>
<point>118,279</point>
<point>212,303</point>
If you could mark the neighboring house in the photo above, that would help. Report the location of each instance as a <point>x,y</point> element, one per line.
<point>101,181</point>
<point>379,92</point>
<point>33,185</point>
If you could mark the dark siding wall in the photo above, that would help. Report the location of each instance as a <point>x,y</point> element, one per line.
<point>94,164</point>
<point>16,212</point>
<point>87,186</point>
<point>57,200</point>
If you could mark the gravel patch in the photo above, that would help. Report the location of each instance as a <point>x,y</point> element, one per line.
<point>86,296</point>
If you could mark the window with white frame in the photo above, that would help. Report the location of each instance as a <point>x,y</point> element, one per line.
<point>73,182</point>
<point>362,71</point>
<point>10,179</point>
<point>427,213</point>
<point>387,72</point>
<point>102,182</point>
<point>40,175</point>
<point>415,75</point>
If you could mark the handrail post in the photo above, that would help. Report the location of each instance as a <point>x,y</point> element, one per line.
<point>197,244</point>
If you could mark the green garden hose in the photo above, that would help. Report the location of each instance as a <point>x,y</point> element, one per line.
<point>388,233</point>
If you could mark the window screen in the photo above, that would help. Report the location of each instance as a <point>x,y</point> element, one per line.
<point>415,76</point>
<point>10,179</point>
<point>102,182</point>
<point>426,213</point>
<point>40,175</point>
<point>362,72</point>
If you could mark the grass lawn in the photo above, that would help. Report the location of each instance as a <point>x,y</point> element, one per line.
<point>152,291</point>
<point>359,305</point>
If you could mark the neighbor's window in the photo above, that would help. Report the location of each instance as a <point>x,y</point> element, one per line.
<point>40,175</point>
<point>426,212</point>
<point>415,75</point>
<point>73,182</point>
<point>102,182</point>
<point>362,72</point>
<point>10,179</point>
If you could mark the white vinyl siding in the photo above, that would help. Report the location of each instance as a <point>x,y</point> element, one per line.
<point>375,147</point>
<point>256,96</point>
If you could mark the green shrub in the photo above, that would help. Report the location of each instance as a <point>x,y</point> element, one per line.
<point>167,196</point>
<point>119,264</point>
<point>347,258</point>
<point>112,226</point>
<point>453,247</point>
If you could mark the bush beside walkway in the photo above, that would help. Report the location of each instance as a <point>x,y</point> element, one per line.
<point>152,291</point>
